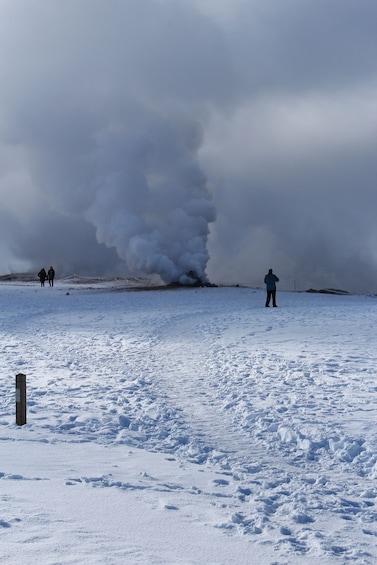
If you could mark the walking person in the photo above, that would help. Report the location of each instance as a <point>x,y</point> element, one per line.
<point>42,276</point>
<point>270,281</point>
<point>51,275</point>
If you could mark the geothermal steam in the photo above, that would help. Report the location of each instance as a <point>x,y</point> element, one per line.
<point>151,201</point>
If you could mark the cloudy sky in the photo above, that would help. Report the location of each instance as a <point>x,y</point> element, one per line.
<point>211,137</point>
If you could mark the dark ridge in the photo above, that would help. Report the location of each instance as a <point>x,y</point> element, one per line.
<point>328,291</point>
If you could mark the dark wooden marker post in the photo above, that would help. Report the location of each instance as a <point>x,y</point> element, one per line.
<point>20,399</point>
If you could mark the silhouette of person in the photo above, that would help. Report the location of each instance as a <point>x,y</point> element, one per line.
<point>51,275</point>
<point>42,276</point>
<point>270,281</point>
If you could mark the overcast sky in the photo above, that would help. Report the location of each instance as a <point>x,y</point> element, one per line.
<point>217,137</point>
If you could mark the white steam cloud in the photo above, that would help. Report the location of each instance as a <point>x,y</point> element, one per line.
<point>151,201</point>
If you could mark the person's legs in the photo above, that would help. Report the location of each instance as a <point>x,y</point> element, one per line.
<point>269,292</point>
<point>274,298</point>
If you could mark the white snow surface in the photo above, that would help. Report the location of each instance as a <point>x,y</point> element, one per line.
<point>188,426</point>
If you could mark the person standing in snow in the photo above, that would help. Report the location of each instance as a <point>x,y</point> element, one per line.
<point>270,281</point>
<point>42,276</point>
<point>51,275</point>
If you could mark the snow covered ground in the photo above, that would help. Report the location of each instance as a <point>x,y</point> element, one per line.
<point>188,426</point>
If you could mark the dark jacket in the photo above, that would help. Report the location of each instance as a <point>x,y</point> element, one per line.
<point>270,279</point>
<point>42,275</point>
<point>51,274</point>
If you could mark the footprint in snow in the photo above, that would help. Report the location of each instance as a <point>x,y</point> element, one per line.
<point>221,482</point>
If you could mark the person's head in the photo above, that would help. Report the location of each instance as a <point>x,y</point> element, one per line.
<point>269,271</point>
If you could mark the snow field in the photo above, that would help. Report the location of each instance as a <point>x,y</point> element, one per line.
<point>253,428</point>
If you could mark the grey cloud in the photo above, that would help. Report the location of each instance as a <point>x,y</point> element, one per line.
<point>297,44</point>
<point>126,127</point>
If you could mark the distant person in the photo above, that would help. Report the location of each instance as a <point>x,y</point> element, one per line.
<point>42,276</point>
<point>51,275</point>
<point>270,281</point>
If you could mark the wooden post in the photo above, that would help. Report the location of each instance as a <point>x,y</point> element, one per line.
<point>20,399</point>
